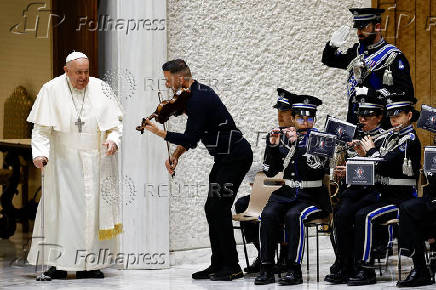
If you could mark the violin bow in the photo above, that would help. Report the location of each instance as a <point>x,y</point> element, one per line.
<point>159,94</point>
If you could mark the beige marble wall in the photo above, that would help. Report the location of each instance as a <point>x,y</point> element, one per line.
<point>25,54</point>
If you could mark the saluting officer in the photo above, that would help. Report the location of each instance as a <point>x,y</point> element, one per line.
<point>371,62</point>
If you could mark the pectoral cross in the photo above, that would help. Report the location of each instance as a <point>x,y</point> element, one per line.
<point>79,124</point>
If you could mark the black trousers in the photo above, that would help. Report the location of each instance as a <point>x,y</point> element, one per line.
<point>286,217</point>
<point>417,223</point>
<point>251,229</point>
<point>366,221</point>
<point>224,181</point>
<point>353,199</point>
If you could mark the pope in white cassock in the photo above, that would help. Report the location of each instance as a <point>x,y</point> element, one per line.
<point>77,131</point>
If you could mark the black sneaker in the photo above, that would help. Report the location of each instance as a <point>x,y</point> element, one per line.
<point>227,274</point>
<point>363,277</point>
<point>416,278</point>
<point>55,274</point>
<point>93,274</point>
<point>203,274</point>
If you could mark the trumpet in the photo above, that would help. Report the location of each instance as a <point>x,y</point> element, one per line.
<point>373,137</point>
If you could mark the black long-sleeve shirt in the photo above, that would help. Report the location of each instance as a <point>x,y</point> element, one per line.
<point>400,68</point>
<point>210,122</point>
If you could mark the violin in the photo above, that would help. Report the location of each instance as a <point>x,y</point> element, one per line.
<point>167,108</point>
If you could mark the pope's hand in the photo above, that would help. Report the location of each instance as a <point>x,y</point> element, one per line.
<point>339,37</point>
<point>111,147</point>
<point>40,161</point>
<point>171,167</point>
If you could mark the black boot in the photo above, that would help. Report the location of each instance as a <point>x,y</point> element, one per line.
<point>293,276</point>
<point>364,276</point>
<point>253,268</point>
<point>416,278</point>
<point>266,275</point>
<point>204,274</point>
<point>339,277</point>
<point>55,274</point>
<point>336,267</point>
<point>227,273</point>
<point>93,274</point>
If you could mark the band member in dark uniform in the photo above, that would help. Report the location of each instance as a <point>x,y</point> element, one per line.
<point>303,197</point>
<point>209,121</point>
<point>251,229</point>
<point>370,112</point>
<point>397,175</point>
<point>417,224</point>
<point>372,62</point>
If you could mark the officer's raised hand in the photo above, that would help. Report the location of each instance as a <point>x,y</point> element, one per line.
<point>339,37</point>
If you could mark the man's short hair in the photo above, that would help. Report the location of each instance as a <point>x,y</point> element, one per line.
<point>177,66</point>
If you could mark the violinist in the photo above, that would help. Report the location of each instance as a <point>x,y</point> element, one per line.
<point>303,196</point>
<point>209,121</point>
<point>370,113</point>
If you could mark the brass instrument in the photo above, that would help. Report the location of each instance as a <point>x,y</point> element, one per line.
<point>339,159</point>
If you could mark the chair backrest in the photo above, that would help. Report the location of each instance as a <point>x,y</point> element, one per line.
<point>16,109</point>
<point>422,182</point>
<point>262,189</point>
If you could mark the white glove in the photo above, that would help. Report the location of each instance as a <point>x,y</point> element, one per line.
<point>339,37</point>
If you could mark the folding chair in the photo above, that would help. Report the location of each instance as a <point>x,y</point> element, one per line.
<point>260,193</point>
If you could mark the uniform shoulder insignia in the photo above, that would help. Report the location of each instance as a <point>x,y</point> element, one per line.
<point>400,65</point>
<point>412,136</point>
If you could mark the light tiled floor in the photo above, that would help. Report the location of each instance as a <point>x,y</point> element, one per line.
<point>15,274</point>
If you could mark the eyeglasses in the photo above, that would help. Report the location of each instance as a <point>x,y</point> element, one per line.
<point>301,120</point>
